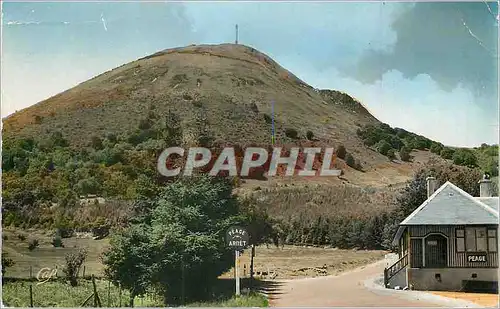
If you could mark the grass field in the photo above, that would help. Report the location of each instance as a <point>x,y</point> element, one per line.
<point>57,293</point>
<point>47,255</point>
<point>299,262</point>
<point>269,263</point>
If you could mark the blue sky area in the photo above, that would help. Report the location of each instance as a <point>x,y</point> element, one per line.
<point>430,68</point>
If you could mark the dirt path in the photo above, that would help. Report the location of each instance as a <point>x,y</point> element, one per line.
<point>345,290</point>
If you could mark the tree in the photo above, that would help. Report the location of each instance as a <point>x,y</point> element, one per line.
<point>383,147</point>
<point>447,153</point>
<point>341,152</point>
<point>391,154</point>
<point>129,261</point>
<point>404,154</point>
<point>464,157</point>
<point>182,238</point>
<point>74,261</point>
<point>349,160</point>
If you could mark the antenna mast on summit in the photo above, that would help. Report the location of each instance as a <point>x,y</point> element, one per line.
<point>236,42</point>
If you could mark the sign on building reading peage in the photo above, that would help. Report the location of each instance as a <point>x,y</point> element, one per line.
<point>476,257</point>
<point>237,237</point>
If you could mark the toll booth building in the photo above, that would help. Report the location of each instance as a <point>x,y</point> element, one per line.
<point>449,243</point>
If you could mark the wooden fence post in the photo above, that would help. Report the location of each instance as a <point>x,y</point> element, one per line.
<point>120,294</point>
<point>31,272</point>
<point>97,300</point>
<point>83,275</point>
<point>109,289</point>
<point>31,295</point>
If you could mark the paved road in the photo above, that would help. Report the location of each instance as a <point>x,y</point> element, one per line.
<point>345,290</point>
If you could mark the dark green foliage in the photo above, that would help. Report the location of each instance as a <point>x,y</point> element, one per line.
<point>291,133</point>
<point>464,157</point>
<point>268,119</point>
<point>341,152</point>
<point>74,261</point>
<point>6,263</point>
<point>349,160</point>
<point>183,233</point>
<point>436,148</point>
<point>57,242</point>
<point>33,244</point>
<point>383,147</point>
<point>447,153</point>
<point>310,135</point>
<point>404,154</point>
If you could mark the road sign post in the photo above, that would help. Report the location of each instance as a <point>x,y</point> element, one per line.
<point>237,239</point>
<point>237,272</point>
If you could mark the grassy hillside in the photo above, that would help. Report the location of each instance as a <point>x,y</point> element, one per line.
<point>103,137</point>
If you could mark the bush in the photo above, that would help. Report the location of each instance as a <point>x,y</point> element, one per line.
<point>268,118</point>
<point>383,147</point>
<point>310,135</point>
<point>464,157</point>
<point>6,262</point>
<point>74,261</point>
<point>57,242</point>
<point>404,154</point>
<point>391,154</point>
<point>436,148</point>
<point>32,244</point>
<point>96,142</point>
<point>291,133</point>
<point>349,160</point>
<point>21,237</point>
<point>447,153</point>
<point>341,152</point>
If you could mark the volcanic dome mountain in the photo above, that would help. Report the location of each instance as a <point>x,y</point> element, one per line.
<point>232,86</point>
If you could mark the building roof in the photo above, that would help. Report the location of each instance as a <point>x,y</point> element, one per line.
<point>490,201</point>
<point>450,205</point>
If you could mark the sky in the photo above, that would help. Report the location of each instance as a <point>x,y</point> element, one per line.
<point>430,68</point>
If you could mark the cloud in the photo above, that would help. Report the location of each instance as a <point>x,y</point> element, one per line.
<point>454,43</point>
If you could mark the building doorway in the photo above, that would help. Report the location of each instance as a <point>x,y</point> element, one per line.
<point>436,251</point>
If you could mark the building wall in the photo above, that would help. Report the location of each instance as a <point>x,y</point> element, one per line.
<point>451,278</point>
<point>455,259</point>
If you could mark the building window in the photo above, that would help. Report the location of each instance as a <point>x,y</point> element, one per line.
<point>460,236</point>
<point>492,240</point>
<point>475,239</point>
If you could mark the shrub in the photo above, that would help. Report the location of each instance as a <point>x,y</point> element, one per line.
<point>391,154</point>
<point>144,124</point>
<point>6,262</point>
<point>341,152</point>
<point>383,147</point>
<point>32,244</point>
<point>404,154</point>
<point>447,153</point>
<point>464,157</point>
<point>291,133</point>
<point>268,118</point>
<point>21,237</point>
<point>309,135</point>
<point>436,148</point>
<point>74,261</point>
<point>349,160</point>
<point>96,142</point>
<point>57,242</point>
